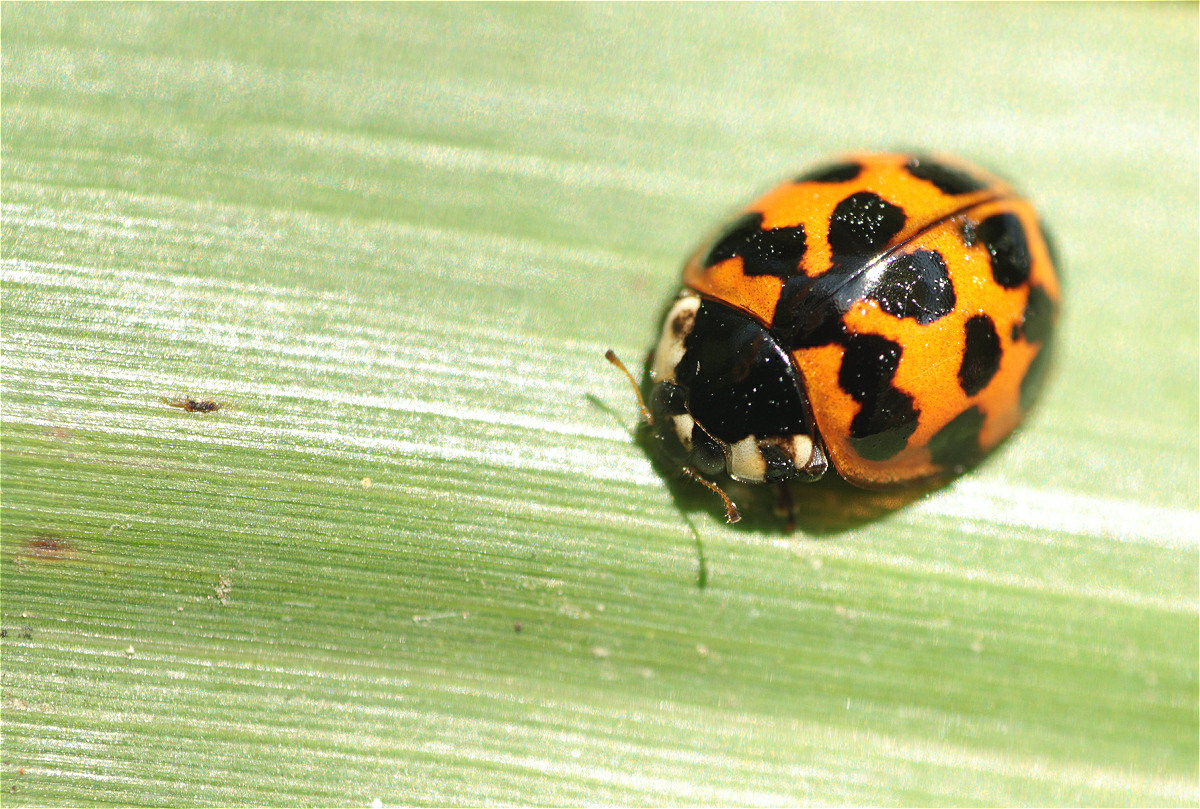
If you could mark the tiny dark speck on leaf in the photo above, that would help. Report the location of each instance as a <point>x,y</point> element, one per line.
<point>48,546</point>
<point>194,405</point>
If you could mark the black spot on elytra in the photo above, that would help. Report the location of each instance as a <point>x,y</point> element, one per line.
<point>956,445</point>
<point>832,173</point>
<point>981,356</point>
<point>774,251</point>
<point>915,285</point>
<point>949,180</point>
<point>1004,237</point>
<point>886,416</point>
<point>1037,319</point>
<point>868,365</point>
<point>862,224</point>
<point>883,425</point>
<point>809,312</point>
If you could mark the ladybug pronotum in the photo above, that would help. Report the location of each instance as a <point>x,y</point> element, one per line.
<point>886,315</point>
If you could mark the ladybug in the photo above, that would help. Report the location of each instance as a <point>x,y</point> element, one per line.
<point>886,315</point>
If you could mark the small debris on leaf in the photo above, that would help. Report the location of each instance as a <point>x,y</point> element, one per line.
<point>194,405</point>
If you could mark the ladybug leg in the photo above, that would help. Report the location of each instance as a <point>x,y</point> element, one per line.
<point>786,507</point>
<point>731,510</point>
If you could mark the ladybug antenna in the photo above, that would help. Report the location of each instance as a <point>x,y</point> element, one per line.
<point>731,511</point>
<point>612,357</point>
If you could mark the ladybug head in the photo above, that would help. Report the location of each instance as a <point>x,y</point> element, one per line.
<point>726,398</point>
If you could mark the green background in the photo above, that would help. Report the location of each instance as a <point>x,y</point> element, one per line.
<point>416,556</point>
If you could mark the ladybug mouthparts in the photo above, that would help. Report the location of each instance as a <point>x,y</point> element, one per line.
<point>727,398</point>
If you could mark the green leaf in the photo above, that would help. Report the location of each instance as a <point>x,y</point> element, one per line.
<point>415,556</point>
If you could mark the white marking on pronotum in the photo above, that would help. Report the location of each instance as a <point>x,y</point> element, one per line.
<point>676,328</point>
<point>684,424</point>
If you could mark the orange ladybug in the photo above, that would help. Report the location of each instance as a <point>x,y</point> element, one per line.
<point>887,315</point>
